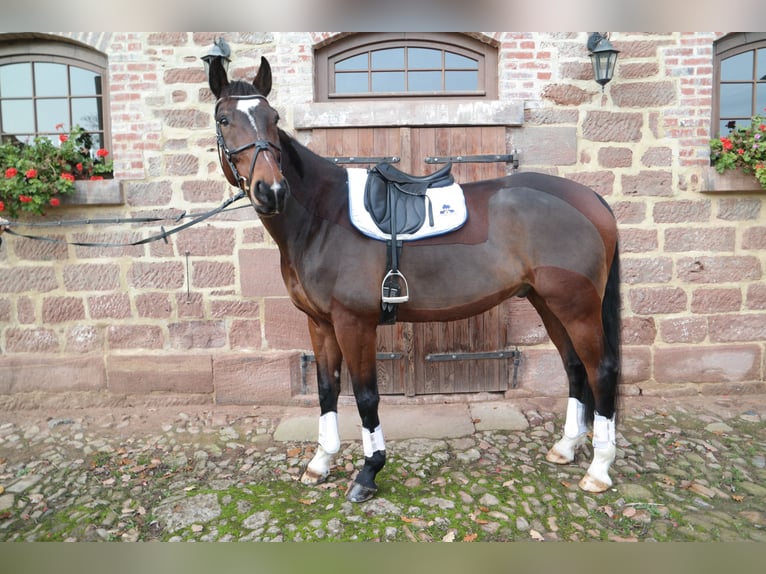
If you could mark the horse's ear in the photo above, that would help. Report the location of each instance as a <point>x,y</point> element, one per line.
<point>217,76</point>
<point>262,81</point>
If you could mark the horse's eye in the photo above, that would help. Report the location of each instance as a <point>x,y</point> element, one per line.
<point>223,120</point>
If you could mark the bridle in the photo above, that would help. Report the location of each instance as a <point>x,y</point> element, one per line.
<point>228,154</point>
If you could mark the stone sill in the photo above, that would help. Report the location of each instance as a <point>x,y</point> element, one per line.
<point>95,192</point>
<point>397,113</point>
<point>729,182</point>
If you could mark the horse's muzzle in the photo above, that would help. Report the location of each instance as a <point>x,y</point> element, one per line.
<point>269,199</point>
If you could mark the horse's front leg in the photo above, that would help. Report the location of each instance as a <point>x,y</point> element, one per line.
<point>357,339</point>
<point>328,361</point>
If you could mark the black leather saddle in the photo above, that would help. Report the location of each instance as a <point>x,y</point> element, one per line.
<point>396,201</point>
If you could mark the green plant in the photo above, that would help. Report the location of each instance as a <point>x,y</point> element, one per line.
<point>743,148</point>
<point>35,175</point>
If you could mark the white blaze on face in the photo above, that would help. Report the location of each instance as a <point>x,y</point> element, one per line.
<point>247,107</point>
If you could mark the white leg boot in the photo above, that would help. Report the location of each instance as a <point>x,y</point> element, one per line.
<point>318,469</point>
<point>575,434</point>
<point>604,452</point>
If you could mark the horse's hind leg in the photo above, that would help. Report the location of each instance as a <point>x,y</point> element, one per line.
<point>328,360</point>
<point>575,425</point>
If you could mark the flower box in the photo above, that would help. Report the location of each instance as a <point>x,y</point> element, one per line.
<point>95,192</point>
<point>732,181</point>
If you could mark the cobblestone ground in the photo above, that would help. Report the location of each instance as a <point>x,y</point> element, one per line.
<point>683,473</point>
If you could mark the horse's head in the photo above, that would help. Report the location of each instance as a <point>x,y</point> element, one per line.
<point>248,138</point>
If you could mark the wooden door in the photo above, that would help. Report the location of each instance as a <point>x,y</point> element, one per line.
<point>471,355</point>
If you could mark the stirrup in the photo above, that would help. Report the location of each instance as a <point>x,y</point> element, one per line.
<point>391,291</point>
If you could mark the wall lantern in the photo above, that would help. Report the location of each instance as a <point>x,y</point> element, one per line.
<point>219,49</point>
<point>603,56</point>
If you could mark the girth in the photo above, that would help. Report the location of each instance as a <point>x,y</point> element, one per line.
<point>397,203</point>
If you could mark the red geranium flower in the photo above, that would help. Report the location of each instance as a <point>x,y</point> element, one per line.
<point>25,199</point>
<point>67,176</point>
<point>740,151</point>
<point>101,152</point>
<point>78,167</point>
<point>2,206</point>
<point>55,202</point>
<point>726,142</point>
<point>31,173</point>
<point>11,172</point>
<point>63,138</point>
<point>96,177</point>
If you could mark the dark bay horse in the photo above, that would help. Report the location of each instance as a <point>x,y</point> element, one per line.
<point>531,235</point>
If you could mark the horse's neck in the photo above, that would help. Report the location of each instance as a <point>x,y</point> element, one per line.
<point>317,187</point>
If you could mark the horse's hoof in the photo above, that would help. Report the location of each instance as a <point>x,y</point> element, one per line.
<point>589,483</point>
<point>360,493</point>
<point>312,478</point>
<point>563,452</point>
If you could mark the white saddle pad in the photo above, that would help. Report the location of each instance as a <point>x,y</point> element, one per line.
<point>448,206</point>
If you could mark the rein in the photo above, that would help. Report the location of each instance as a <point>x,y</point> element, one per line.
<point>8,225</point>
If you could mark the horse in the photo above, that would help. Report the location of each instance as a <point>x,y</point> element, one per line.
<point>543,237</point>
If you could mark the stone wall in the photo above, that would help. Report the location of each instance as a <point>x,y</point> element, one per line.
<point>204,318</point>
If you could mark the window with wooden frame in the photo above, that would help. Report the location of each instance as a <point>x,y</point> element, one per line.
<point>48,86</point>
<point>401,66</point>
<point>739,76</point>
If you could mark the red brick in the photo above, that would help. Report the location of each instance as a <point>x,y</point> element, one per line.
<point>25,279</point>
<point>638,331</point>
<point>550,116</point>
<point>635,270</point>
<point>5,311</point>
<point>112,306</point>
<point>707,364</point>
<point>189,75</point>
<point>681,211</point>
<point>27,249</point>
<point>25,310</point>
<point>648,183</point>
<point>197,334</point>
<point>524,324</point>
<point>253,235</point>
<point>51,374</point>
<point>657,300</point>
<point>186,119</point>
<point>190,305</point>
<point>547,145</point>
<point>611,127</point>
<point>92,277</point>
<point>738,328</point>
<point>145,194</point>
<point>33,340</point>
<point>657,157</point>
<point>205,191</point>
<point>206,241</point>
<point>245,334</point>
<point>615,157</point>
<point>256,379</point>
<point>108,253</point>
<point>629,211</point>
<point>134,337</point>
<point>84,339</point>
<point>165,275</point>
<point>739,209</point>
<point>181,164</point>
<point>643,94</point>
<point>61,309</point>
<point>145,374</point>
<point>285,326</point>
<point>212,274</point>
<point>756,296</point>
<point>602,182</point>
<point>684,330</point>
<point>638,70</point>
<point>155,305</point>
<point>697,239</point>
<point>567,94</point>
<point>754,238</point>
<point>577,70</point>
<point>541,372</point>
<point>236,308</point>
<point>719,269</point>
<point>716,300</point>
<point>260,273</point>
<point>636,365</point>
<point>638,240</point>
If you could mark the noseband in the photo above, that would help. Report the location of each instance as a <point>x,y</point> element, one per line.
<point>260,146</point>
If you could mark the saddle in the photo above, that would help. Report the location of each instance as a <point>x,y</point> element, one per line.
<point>397,203</point>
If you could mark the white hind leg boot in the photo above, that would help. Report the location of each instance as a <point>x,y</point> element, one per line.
<point>329,444</point>
<point>604,451</point>
<point>575,433</point>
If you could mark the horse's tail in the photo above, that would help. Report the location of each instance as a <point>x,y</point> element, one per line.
<point>610,369</point>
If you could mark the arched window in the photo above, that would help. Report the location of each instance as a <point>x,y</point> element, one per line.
<point>406,66</point>
<point>739,79</point>
<point>48,86</point>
